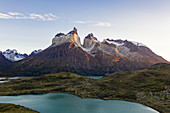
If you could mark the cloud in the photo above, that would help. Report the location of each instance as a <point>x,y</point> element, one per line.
<point>103,24</point>
<point>82,22</point>
<point>50,16</point>
<point>31,16</point>
<point>14,13</point>
<point>37,16</point>
<point>94,23</point>
<point>5,16</point>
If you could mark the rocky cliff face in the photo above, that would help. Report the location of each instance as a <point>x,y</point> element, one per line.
<point>137,51</point>
<point>90,41</point>
<point>92,58</point>
<point>61,38</point>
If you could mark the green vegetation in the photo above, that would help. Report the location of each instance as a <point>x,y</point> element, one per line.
<point>11,108</point>
<point>150,86</point>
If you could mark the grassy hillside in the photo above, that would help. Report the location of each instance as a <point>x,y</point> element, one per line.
<point>11,108</point>
<point>150,86</point>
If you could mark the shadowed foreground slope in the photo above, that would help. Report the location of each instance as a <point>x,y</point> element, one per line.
<point>11,108</point>
<point>150,86</point>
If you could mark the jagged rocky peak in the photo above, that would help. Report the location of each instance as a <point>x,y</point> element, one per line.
<point>90,41</point>
<point>36,52</point>
<point>59,35</point>
<point>74,31</point>
<point>13,55</point>
<point>91,36</point>
<point>125,42</point>
<point>106,43</point>
<point>71,37</point>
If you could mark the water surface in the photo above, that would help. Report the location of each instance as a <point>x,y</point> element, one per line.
<point>66,103</point>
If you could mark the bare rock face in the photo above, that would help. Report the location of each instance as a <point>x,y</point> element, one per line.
<point>118,48</point>
<point>61,38</point>
<point>136,51</point>
<point>90,41</point>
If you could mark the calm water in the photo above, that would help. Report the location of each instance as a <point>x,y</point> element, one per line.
<point>94,77</point>
<point>66,103</point>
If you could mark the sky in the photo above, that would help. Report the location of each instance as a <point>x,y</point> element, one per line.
<point>27,25</point>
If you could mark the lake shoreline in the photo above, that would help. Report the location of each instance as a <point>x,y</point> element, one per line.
<point>129,100</point>
<point>106,88</point>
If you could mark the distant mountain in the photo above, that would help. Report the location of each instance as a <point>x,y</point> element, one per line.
<point>13,55</point>
<point>35,52</point>
<point>92,58</point>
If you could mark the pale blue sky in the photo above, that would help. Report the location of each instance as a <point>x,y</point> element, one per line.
<point>27,25</point>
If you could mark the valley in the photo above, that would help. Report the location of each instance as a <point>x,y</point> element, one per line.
<point>149,86</point>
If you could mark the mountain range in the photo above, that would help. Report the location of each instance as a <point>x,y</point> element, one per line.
<point>13,55</point>
<point>66,53</point>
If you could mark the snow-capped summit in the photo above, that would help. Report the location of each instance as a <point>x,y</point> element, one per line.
<point>138,44</point>
<point>13,55</point>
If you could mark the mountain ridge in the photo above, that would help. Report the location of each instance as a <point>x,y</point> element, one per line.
<point>14,56</point>
<point>66,53</point>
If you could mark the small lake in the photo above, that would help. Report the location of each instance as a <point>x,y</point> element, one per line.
<point>94,77</point>
<point>66,103</point>
<point>2,81</point>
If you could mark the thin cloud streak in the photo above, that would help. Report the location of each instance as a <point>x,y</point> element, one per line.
<point>102,24</point>
<point>31,16</point>
<point>5,16</point>
<point>14,13</point>
<point>94,23</point>
<point>82,22</point>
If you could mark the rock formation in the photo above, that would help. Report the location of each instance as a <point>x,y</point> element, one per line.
<point>92,58</point>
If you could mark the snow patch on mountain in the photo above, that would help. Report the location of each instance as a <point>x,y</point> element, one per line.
<point>114,42</point>
<point>13,55</point>
<point>88,49</point>
<point>138,44</point>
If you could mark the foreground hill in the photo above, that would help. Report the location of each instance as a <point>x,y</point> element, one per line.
<point>150,86</point>
<point>92,58</point>
<point>11,108</point>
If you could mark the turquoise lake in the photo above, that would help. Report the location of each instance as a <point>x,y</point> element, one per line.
<point>66,103</point>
